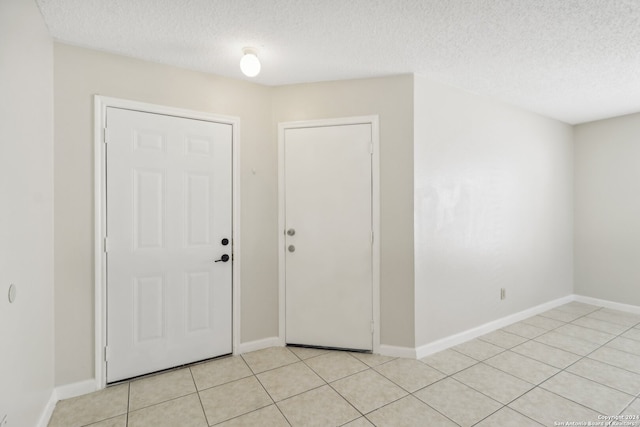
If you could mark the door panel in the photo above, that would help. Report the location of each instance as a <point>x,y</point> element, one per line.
<point>328,205</point>
<point>168,208</point>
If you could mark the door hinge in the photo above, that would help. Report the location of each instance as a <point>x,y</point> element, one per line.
<point>104,135</point>
<point>372,327</point>
<point>106,353</point>
<point>371,148</point>
<point>372,237</point>
<point>106,245</point>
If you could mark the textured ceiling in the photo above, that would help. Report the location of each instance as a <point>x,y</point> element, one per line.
<point>573,60</point>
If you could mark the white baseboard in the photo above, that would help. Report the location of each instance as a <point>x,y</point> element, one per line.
<point>76,389</point>
<point>608,304</point>
<point>84,387</point>
<point>45,417</point>
<point>250,346</point>
<point>453,340</point>
<point>394,351</point>
<point>65,392</point>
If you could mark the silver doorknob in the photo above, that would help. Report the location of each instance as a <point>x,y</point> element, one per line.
<point>291,232</point>
<point>291,248</point>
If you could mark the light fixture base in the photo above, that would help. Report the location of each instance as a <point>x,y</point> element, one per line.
<point>250,64</point>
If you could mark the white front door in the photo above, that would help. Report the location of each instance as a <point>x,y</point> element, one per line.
<point>169,193</point>
<point>328,244</point>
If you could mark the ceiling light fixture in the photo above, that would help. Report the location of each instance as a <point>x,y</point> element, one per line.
<point>250,64</point>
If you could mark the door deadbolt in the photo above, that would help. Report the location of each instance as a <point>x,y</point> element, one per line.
<point>225,242</point>
<point>223,258</point>
<point>291,232</point>
<point>291,248</point>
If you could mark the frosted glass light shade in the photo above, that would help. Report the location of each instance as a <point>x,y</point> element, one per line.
<point>250,64</point>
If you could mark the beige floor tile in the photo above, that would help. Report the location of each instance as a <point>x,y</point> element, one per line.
<point>633,334</point>
<point>616,317</point>
<point>524,330</point>
<point>507,417</point>
<point>360,422</point>
<point>307,352</point>
<point>408,412</point>
<point>633,409</point>
<point>220,371</point>
<point>494,383</point>
<point>567,343</point>
<point>269,358</point>
<point>588,393</point>
<point>625,344</point>
<point>410,374</point>
<point>560,315</point>
<point>289,380</point>
<point>478,350</point>
<point>268,416</point>
<point>160,388</point>
<point>120,421</point>
<point>600,325</point>
<point>587,334</point>
<point>578,308</point>
<point>310,409</point>
<point>617,358</point>
<point>233,399</point>
<point>503,339</point>
<point>458,402</point>
<point>184,412</point>
<point>449,361</point>
<point>91,408</point>
<point>335,365</point>
<point>548,408</point>
<point>543,322</point>
<point>372,359</point>
<point>545,354</point>
<point>522,367</point>
<point>368,390</point>
<point>608,375</point>
<point>631,316</point>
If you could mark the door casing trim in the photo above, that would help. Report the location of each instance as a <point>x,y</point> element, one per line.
<point>375,213</point>
<point>100,111</point>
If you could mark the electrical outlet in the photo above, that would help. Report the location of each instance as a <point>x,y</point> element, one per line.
<point>503,293</point>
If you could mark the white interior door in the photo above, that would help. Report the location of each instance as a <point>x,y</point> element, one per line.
<point>169,194</point>
<point>328,244</point>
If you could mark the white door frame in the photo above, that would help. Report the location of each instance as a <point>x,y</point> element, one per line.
<point>375,211</point>
<point>100,113</point>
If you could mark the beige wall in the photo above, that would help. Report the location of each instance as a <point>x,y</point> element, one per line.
<point>492,188</point>
<point>26,213</point>
<point>493,209</point>
<point>392,99</point>
<point>78,75</point>
<point>607,209</point>
<point>81,73</point>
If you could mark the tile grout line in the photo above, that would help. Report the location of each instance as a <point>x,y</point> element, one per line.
<point>568,372</point>
<point>336,391</point>
<point>581,357</point>
<point>274,403</point>
<point>372,368</point>
<point>128,403</point>
<point>557,346</point>
<point>451,376</point>
<point>264,388</point>
<point>544,363</point>
<point>206,419</point>
<point>534,385</point>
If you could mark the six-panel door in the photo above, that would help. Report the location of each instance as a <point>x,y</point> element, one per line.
<point>169,207</point>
